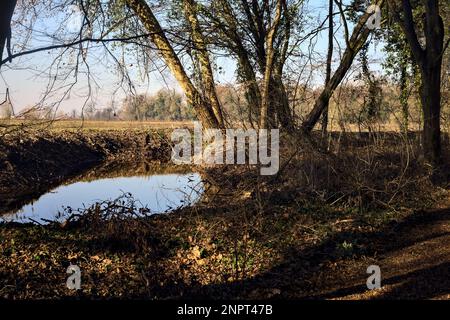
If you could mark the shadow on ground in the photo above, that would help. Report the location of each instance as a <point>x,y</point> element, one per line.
<point>414,256</point>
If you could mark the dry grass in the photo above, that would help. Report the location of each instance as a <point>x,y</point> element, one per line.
<point>75,125</point>
<point>94,125</point>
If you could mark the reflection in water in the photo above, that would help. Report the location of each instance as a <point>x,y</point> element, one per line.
<point>159,193</point>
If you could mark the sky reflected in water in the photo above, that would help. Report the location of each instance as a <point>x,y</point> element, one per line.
<point>159,193</point>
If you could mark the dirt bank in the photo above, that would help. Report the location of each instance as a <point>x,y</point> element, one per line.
<point>31,163</point>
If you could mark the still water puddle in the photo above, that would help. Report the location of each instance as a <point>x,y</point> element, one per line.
<point>158,193</point>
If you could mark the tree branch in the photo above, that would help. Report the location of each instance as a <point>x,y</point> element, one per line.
<point>71,44</point>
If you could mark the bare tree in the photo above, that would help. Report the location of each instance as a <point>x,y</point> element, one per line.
<point>158,37</point>
<point>354,44</point>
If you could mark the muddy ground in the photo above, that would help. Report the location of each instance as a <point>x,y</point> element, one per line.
<point>308,233</point>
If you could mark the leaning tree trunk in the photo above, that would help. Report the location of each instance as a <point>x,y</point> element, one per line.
<point>354,45</point>
<point>202,107</point>
<point>323,101</point>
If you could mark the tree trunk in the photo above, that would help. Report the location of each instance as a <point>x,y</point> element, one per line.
<point>246,73</point>
<point>355,43</point>
<point>190,7</point>
<point>404,95</point>
<point>323,101</point>
<point>202,107</point>
<point>429,61</point>
<point>271,97</point>
<point>431,83</point>
<point>252,93</point>
<point>430,94</point>
<point>280,101</point>
<point>283,111</point>
<point>6,12</point>
<point>270,59</point>
<point>329,62</point>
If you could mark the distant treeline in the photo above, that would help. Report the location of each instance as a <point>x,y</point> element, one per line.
<point>351,105</point>
<point>166,105</point>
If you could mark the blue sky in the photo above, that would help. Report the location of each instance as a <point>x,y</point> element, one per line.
<point>28,77</point>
